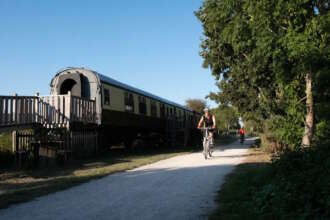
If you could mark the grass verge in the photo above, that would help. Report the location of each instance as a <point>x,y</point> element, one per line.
<point>295,185</point>
<point>234,197</point>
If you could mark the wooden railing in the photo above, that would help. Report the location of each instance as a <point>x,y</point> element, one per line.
<point>53,111</point>
<point>17,110</point>
<point>50,111</point>
<point>83,110</point>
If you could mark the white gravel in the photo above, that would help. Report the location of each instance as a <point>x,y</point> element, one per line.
<point>182,187</point>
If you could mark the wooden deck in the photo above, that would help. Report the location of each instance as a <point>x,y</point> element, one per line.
<point>58,111</point>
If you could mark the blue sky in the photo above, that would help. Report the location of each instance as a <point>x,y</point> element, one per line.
<point>149,44</point>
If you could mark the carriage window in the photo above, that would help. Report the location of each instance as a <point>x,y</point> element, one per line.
<point>162,110</point>
<point>142,105</point>
<point>153,108</point>
<point>129,102</point>
<point>106,99</point>
<point>184,118</point>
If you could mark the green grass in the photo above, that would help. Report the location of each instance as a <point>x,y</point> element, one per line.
<point>234,197</point>
<point>295,185</point>
<point>6,155</point>
<point>5,142</point>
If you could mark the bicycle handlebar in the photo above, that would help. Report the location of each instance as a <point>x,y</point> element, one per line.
<point>207,128</point>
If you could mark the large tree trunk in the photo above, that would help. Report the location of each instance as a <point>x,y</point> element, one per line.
<point>309,121</point>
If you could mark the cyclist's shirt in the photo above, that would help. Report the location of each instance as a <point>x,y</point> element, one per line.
<point>208,122</point>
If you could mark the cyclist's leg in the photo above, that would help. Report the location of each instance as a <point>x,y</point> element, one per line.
<point>205,146</point>
<point>211,139</point>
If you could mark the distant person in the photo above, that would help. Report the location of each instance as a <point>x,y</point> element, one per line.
<point>208,121</point>
<point>242,133</point>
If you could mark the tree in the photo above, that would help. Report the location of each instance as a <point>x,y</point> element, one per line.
<point>305,42</point>
<point>226,118</point>
<point>196,104</point>
<point>260,51</point>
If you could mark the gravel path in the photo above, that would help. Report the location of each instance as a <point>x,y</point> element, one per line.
<point>182,187</point>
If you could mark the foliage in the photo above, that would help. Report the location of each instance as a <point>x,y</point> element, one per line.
<point>260,53</point>
<point>296,185</point>
<point>300,187</point>
<point>196,105</point>
<point>226,118</point>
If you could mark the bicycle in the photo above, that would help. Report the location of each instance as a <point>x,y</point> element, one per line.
<point>206,142</point>
<point>242,137</point>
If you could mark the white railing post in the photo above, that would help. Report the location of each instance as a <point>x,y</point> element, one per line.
<point>14,117</point>
<point>36,112</point>
<point>68,107</point>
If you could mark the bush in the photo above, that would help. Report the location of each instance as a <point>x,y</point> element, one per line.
<point>5,142</point>
<point>271,136</point>
<point>300,188</point>
<point>6,154</point>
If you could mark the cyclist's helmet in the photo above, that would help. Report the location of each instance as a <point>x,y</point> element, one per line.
<point>206,109</point>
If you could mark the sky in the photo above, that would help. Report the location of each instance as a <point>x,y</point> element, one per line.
<point>149,44</point>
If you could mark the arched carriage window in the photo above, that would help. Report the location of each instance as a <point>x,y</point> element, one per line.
<point>67,86</point>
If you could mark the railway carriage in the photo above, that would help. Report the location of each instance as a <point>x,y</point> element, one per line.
<point>123,112</point>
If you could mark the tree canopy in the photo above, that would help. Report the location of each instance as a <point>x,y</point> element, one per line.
<point>269,57</point>
<point>226,118</point>
<point>196,105</point>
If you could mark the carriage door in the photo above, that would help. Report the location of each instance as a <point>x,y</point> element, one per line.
<point>85,87</point>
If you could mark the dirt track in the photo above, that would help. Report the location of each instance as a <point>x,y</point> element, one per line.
<point>181,187</point>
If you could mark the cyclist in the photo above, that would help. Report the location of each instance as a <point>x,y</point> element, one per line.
<point>209,121</point>
<point>242,133</point>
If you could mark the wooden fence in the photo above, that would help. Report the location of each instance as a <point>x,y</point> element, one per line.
<point>63,144</point>
<point>84,143</point>
<point>50,111</point>
<point>22,141</point>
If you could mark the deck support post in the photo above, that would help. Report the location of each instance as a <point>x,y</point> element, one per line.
<point>14,143</point>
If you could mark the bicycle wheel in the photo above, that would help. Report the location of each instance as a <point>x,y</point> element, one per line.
<point>205,143</point>
<point>209,150</point>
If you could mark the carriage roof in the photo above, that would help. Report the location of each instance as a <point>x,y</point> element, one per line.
<point>116,83</point>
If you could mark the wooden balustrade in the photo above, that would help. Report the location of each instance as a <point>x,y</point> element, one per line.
<point>17,110</point>
<point>50,111</point>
